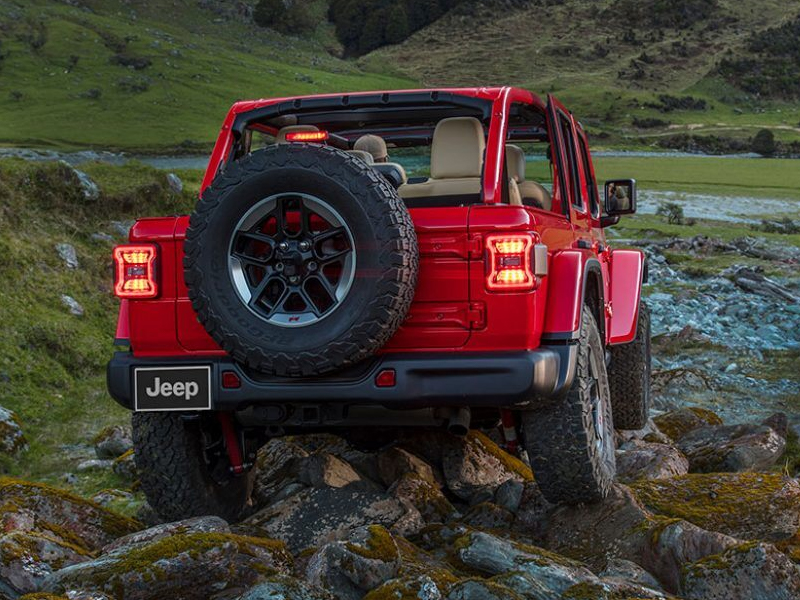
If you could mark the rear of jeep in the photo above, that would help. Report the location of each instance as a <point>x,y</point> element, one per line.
<point>318,287</point>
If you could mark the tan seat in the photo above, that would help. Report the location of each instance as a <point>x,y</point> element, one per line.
<point>456,160</point>
<point>531,193</point>
<point>363,155</point>
<point>280,138</point>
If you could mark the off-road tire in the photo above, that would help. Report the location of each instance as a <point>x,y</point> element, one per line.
<point>561,439</point>
<point>174,475</point>
<point>629,377</point>
<point>387,259</point>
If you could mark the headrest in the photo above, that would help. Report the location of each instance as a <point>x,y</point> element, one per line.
<point>393,172</point>
<point>373,144</point>
<point>363,155</point>
<point>457,149</point>
<point>280,138</point>
<point>515,162</point>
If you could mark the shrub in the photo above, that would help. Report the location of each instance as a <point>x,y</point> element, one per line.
<point>286,16</point>
<point>764,143</point>
<point>672,211</point>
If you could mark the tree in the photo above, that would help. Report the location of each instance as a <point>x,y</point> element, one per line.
<point>397,26</point>
<point>286,16</point>
<point>764,143</point>
<point>374,33</point>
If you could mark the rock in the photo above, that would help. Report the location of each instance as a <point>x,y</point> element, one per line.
<point>33,507</point>
<point>779,422</point>
<point>488,515</point>
<point>621,527</point>
<point>68,255</point>
<point>348,569</point>
<point>478,589</point>
<point>280,587</point>
<point>761,506</point>
<point>730,448</point>
<point>612,590</point>
<point>492,555</point>
<point>649,433</point>
<point>183,566</point>
<point>619,569</point>
<point>277,466</point>
<point>534,511</point>
<point>523,585</point>
<point>108,497</point>
<point>122,228</point>
<point>94,464</point>
<point>475,463</point>
<point>395,462</point>
<point>642,460</point>
<point>509,495</point>
<point>73,305</point>
<point>113,441</point>
<point>326,470</point>
<point>411,588</point>
<point>12,440</point>
<point>101,236</point>
<point>157,533</point>
<point>27,558</point>
<point>313,517</point>
<point>678,423</point>
<point>125,466</point>
<point>751,570</point>
<point>89,188</point>
<point>413,490</point>
<point>174,182</point>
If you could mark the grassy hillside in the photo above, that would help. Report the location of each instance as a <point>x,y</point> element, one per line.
<point>139,76</point>
<point>610,61</point>
<point>114,74</point>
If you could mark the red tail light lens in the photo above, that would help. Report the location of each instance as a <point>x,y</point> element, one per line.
<point>509,262</point>
<point>135,271</point>
<point>307,136</point>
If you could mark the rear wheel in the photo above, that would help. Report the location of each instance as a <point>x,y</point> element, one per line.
<point>184,467</point>
<point>629,377</point>
<point>570,442</point>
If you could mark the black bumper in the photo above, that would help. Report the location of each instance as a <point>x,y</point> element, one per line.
<point>427,380</point>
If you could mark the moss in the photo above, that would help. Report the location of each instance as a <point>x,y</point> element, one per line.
<point>426,497</point>
<point>678,423</point>
<point>596,591</point>
<point>42,596</point>
<point>511,463</point>
<point>380,545</point>
<point>725,502</point>
<point>124,456</point>
<point>103,434</point>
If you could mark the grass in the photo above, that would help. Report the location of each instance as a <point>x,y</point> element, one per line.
<point>51,362</point>
<point>770,178</point>
<point>69,94</point>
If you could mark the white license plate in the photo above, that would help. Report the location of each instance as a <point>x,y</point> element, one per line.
<point>172,388</point>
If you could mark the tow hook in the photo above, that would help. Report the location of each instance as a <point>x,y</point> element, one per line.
<point>232,444</point>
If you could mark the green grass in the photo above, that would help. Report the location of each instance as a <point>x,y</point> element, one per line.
<point>199,67</point>
<point>770,178</point>
<point>51,362</point>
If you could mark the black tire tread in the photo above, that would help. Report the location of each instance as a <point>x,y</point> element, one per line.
<point>629,377</point>
<point>394,291</point>
<point>173,474</point>
<point>563,461</point>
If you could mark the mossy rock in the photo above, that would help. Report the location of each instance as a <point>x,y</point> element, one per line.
<point>407,588</point>
<point>678,423</point>
<point>73,519</point>
<point>183,566</point>
<point>379,545</point>
<point>762,506</point>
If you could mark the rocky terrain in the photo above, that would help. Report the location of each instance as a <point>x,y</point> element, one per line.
<point>700,512</point>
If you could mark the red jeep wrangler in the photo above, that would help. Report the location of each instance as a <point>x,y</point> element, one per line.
<point>317,286</point>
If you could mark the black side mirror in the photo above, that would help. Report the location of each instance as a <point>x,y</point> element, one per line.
<point>620,197</point>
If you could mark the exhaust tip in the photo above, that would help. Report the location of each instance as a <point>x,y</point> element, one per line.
<point>459,422</point>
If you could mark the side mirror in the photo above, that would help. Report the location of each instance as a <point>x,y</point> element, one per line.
<point>620,197</point>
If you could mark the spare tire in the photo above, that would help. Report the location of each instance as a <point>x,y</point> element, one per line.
<point>300,260</point>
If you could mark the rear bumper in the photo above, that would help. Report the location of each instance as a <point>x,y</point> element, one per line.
<point>427,380</point>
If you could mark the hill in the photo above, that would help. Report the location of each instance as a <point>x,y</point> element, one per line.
<point>136,76</point>
<point>140,76</point>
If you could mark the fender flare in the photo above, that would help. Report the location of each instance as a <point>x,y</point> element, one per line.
<point>569,273</point>
<point>628,270</point>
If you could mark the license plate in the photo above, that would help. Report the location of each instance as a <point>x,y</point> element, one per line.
<point>172,388</point>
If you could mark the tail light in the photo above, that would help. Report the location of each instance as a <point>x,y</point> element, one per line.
<point>307,136</point>
<point>135,271</point>
<point>509,267</point>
